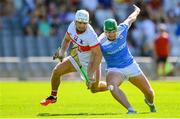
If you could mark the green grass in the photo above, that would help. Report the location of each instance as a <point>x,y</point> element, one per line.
<point>21,100</point>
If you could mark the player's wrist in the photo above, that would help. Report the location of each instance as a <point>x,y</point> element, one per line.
<point>59,54</point>
<point>92,80</point>
<point>137,9</point>
<point>90,83</point>
<point>90,76</point>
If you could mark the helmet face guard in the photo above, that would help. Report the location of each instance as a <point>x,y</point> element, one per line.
<point>110,25</point>
<point>82,16</point>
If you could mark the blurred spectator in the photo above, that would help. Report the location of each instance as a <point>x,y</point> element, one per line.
<point>102,13</point>
<point>155,9</point>
<point>106,4</point>
<point>162,48</point>
<point>30,4</point>
<point>1,8</point>
<point>18,4</point>
<point>90,7</point>
<point>55,24</point>
<point>147,27</point>
<point>177,13</point>
<point>173,20</point>
<point>6,8</point>
<point>52,9</point>
<point>75,3</point>
<point>44,28</point>
<point>31,25</point>
<point>122,9</point>
<point>39,2</point>
<point>134,40</point>
<point>178,30</point>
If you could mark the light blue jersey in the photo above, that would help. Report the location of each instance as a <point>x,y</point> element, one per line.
<point>116,53</point>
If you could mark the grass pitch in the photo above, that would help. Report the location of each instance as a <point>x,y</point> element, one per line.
<point>21,100</point>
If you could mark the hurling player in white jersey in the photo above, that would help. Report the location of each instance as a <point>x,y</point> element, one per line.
<point>89,55</point>
<point>121,64</point>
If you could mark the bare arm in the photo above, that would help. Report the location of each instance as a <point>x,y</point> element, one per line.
<point>60,53</point>
<point>64,45</point>
<point>95,60</point>
<point>132,17</point>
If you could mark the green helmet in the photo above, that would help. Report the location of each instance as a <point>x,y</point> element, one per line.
<point>110,25</point>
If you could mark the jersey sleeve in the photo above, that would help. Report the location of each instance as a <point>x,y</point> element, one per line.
<point>123,30</point>
<point>123,26</point>
<point>70,27</point>
<point>69,30</point>
<point>92,39</point>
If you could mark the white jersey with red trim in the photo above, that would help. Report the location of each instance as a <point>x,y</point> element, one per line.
<point>85,42</point>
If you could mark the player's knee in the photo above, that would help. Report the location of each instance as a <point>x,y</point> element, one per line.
<point>56,72</point>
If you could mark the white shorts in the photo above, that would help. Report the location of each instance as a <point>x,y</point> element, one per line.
<point>76,66</point>
<point>130,71</point>
<point>84,58</point>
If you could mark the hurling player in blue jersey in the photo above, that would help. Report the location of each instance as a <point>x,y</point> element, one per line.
<point>121,64</point>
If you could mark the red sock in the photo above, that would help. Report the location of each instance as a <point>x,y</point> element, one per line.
<point>54,92</point>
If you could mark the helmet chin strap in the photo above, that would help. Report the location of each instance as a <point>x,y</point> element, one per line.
<point>111,39</point>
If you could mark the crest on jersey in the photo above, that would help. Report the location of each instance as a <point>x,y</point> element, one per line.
<point>121,36</point>
<point>78,40</point>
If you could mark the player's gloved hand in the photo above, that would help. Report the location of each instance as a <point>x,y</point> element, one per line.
<point>58,55</point>
<point>136,8</point>
<point>90,83</point>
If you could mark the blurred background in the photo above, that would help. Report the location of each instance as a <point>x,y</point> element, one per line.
<point>32,30</point>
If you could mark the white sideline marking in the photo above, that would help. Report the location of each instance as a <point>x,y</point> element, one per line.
<point>9,59</point>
